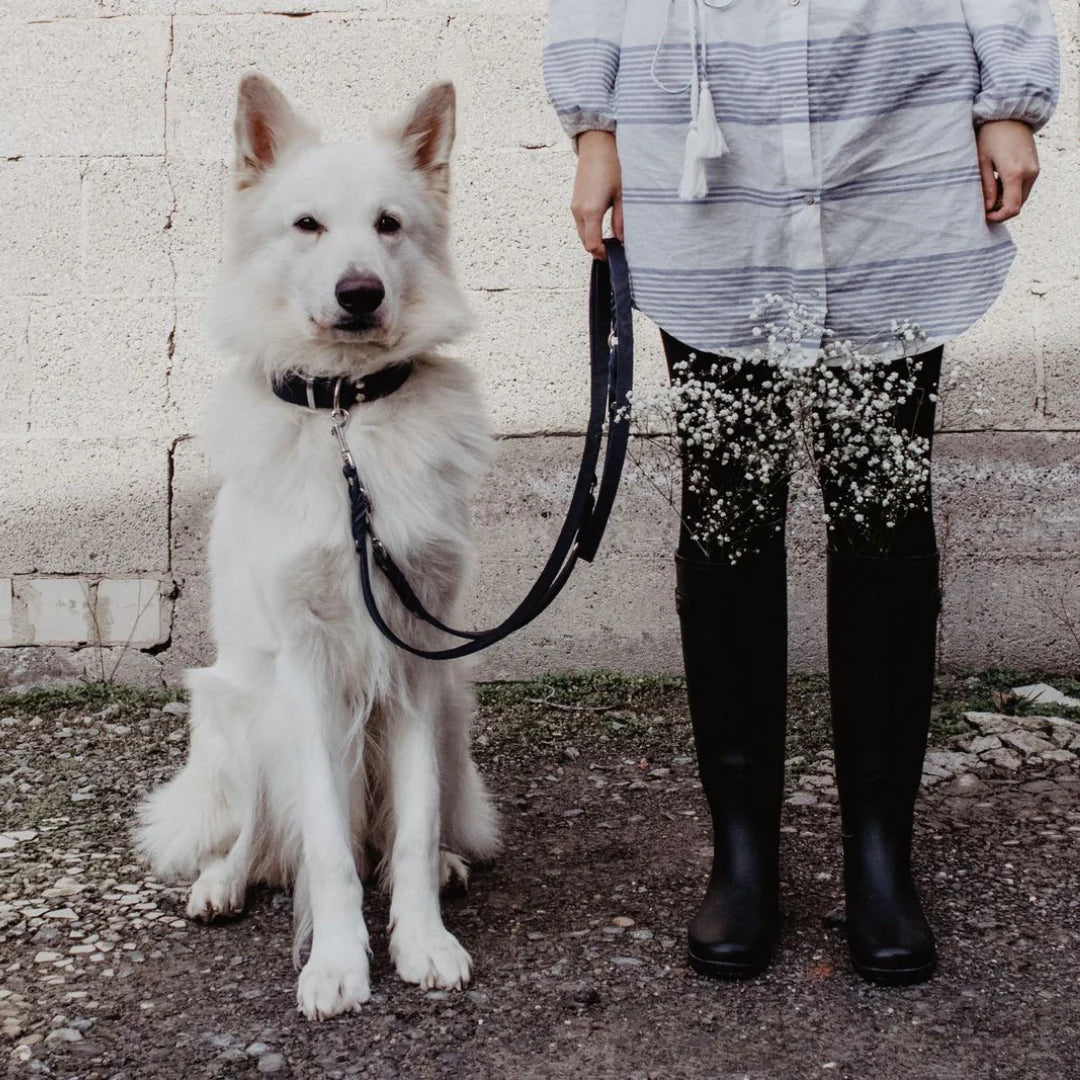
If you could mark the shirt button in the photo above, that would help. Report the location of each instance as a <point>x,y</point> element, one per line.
<point>808,199</point>
<point>794,3</point>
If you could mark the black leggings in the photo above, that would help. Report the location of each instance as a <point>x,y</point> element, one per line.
<point>914,531</point>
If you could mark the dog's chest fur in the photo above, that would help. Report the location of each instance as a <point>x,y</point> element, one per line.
<point>282,516</point>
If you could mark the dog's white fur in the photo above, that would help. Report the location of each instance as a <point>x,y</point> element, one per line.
<point>314,741</point>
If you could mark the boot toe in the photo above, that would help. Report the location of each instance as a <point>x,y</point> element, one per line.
<point>728,959</point>
<point>895,965</point>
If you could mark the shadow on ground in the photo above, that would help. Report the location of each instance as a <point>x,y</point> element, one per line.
<point>576,931</point>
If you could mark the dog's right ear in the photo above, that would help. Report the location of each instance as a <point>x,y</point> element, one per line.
<point>266,126</point>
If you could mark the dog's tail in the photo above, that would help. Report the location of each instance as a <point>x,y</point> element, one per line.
<point>197,815</point>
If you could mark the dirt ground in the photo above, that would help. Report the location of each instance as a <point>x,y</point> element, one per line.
<point>576,931</point>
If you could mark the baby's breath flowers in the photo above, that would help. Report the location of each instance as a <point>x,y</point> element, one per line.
<point>802,400</point>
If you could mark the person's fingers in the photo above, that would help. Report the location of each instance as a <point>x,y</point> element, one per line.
<point>1012,197</point>
<point>617,217</point>
<point>590,229</point>
<point>989,182</point>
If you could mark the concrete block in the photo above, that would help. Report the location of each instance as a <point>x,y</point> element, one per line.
<point>466,7</point>
<point>998,358</point>
<point>1008,612</point>
<point>196,363</point>
<point>531,348</point>
<point>26,10</point>
<point>128,208</point>
<point>7,614</point>
<point>96,506</point>
<point>194,488</point>
<point>57,610</point>
<point>16,374</point>
<point>40,204</point>
<point>1057,329</point>
<point>280,7</point>
<point>111,357</point>
<point>37,666</point>
<point>1009,496</point>
<point>129,611</point>
<point>83,87</point>
<point>512,222</point>
<point>341,70</point>
<point>195,224</point>
<point>508,105</point>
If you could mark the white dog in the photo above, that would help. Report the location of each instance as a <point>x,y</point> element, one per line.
<point>313,739</point>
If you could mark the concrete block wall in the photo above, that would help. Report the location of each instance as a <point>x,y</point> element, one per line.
<point>115,121</point>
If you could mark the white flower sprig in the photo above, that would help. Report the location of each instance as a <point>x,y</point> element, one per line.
<point>748,425</point>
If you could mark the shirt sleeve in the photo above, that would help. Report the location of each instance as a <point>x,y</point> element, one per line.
<point>581,61</point>
<point>1019,63</point>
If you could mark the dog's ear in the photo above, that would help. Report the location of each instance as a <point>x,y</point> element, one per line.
<point>428,134</point>
<point>266,126</point>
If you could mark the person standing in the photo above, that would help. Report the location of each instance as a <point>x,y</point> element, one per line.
<point>858,159</point>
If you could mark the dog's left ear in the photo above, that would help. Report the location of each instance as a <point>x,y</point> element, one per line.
<point>428,134</point>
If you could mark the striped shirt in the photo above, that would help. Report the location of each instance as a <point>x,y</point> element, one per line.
<point>851,184</point>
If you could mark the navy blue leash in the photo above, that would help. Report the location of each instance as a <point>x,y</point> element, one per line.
<point>611,349</point>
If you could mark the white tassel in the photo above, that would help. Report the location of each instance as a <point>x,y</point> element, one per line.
<point>704,140</point>
<point>712,138</point>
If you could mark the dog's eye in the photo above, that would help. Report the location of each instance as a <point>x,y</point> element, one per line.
<point>306,224</point>
<point>387,223</point>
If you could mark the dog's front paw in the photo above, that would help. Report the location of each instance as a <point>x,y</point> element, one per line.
<point>332,986</point>
<point>431,958</point>
<point>218,891</point>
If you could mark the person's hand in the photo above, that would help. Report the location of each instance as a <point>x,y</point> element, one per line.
<point>597,186</point>
<point>1009,166</point>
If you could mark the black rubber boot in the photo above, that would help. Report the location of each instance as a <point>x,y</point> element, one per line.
<point>734,637</point>
<point>882,616</point>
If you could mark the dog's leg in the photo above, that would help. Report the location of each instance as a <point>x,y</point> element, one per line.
<point>335,978</point>
<point>222,883</point>
<point>423,950</point>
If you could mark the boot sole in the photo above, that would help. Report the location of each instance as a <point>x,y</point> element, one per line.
<point>896,976</point>
<point>718,969</point>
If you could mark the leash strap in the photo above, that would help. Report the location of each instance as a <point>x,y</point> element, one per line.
<point>611,349</point>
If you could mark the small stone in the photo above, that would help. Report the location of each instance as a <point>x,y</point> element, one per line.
<point>175,708</point>
<point>802,798</point>
<point>1045,694</point>
<point>626,961</point>
<point>947,762</point>
<point>624,921</point>
<point>256,1049</point>
<point>966,784</point>
<point>1003,759</point>
<point>990,723</point>
<point>45,957</point>
<point>642,935</point>
<point>63,1035</point>
<point>1060,756</point>
<point>572,752</point>
<point>271,1063</point>
<point>61,913</point>
<point>477,997</point>
<point>981,743</point>
<point>1026,741</point>
<point>576,812</point>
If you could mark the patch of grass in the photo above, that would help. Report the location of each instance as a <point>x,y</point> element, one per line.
<point>51,700</point>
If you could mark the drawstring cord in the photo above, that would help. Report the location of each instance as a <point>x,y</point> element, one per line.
<point>704,139</point>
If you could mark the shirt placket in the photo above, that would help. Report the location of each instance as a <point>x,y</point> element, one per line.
<point>802,171</point>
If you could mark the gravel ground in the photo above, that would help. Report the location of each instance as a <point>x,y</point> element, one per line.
<point>576,931</point>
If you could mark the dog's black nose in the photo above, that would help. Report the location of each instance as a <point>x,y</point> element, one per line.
<point>360,294</point>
